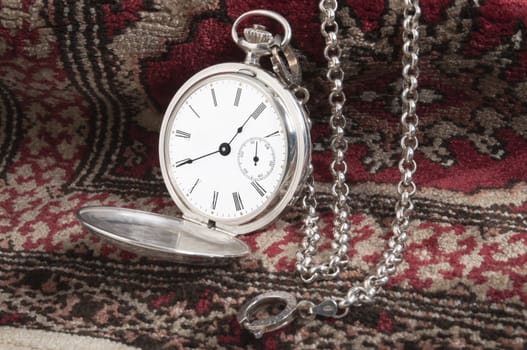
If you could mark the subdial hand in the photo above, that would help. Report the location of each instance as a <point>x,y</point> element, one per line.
<point>255,158</point>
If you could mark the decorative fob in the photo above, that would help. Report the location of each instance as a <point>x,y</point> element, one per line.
<point>234,143</point>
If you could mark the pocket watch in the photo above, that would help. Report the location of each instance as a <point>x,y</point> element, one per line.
<point>234,142</point>
<point>234,150</point>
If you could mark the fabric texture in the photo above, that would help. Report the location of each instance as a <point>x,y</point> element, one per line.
<point>83,85</point>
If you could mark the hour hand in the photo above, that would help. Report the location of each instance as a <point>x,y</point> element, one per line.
<point>254,115</point>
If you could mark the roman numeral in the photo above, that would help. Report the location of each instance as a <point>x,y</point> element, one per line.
<point>273,134</point>
<point>194,186</point>
<point>214,200</point>
<point>258,110</point>
<point>237,99</point>
<point>193,110</point>
<point>183,134</point>
<point>261,191</point>
<point>214,97</point>
<point>238,204</point>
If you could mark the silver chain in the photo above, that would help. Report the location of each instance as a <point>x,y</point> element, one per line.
<point>361,292</point>
<point>365,291</point>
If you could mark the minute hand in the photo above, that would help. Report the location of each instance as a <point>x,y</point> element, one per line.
<point>253,115</point>
<point>189,161</point>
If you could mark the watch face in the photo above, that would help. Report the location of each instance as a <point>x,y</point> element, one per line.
<point>226,148</point>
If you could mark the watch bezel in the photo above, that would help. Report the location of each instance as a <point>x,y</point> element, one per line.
<point>298,147</point>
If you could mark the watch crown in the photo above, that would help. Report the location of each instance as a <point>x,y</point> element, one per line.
<point>257,34</point>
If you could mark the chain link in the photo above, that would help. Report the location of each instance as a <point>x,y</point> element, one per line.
<point>364,292</point>
<point>338,167</point>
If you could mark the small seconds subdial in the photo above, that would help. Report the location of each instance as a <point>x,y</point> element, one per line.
<point>256,158</point>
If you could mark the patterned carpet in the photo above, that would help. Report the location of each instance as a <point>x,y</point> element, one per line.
<point>83,85</point>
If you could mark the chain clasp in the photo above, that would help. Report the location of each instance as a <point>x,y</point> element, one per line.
<point>246,315</point>
<point>305,310</point>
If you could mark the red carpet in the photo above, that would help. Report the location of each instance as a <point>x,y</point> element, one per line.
<point>83,85</point>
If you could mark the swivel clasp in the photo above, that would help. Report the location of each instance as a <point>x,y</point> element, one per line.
<point>304,309</point>
<point>247,314</point>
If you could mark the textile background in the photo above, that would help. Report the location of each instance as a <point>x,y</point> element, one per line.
<point>83,85</point>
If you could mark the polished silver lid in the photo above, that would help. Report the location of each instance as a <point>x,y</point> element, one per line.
<point>161,237</point>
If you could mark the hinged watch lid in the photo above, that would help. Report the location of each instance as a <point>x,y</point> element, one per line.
<point>162,237</point>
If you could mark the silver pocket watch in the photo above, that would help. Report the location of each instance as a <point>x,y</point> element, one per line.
<point>234,151</point>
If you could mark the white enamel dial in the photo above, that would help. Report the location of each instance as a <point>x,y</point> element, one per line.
<point>211,148</point>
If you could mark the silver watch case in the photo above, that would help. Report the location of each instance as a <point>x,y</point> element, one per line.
<point>299,146</point>
<point>196,238</point>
